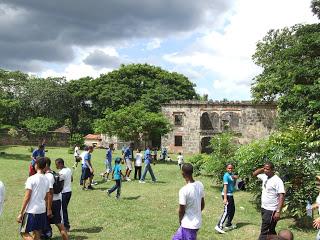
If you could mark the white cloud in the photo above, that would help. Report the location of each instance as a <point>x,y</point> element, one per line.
<point>227,53</point>
<point>154,44</point>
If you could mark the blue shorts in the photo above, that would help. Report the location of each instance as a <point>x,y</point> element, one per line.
<point>86,173</point>
<point>33,222</point>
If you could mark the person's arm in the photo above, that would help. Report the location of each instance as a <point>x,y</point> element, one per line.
<point>225,189</point>
<point>49,202</point>
<point>202,204</point>
<point>25,202</point>
<point>88,163</point>
<point>182,210</point>
<point>276,215</point>
<point>258,171</point>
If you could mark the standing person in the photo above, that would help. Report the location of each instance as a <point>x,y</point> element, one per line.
<point>32,216</point>
<point>191,204</point>
<point>128,157</point>
<point>316,222</point>
<point>54,206</point>
<point>116,175</point>
<point>87,170</point>
<point>229,180</point>
<point>37,153</point>
<point>155,154</point>
<point>138,165</point>
<point>2,195</point>
<point>108,162</point>
<point>272,199</point>
<point>66,192</point>
<point>76,155</point>
<point>147,166</point>
<point>180,160</point>
<point>85,151</point>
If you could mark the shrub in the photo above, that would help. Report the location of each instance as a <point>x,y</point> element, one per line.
<point>76,139</point>
<point>198,162</point>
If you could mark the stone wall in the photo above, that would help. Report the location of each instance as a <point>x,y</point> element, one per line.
<point>197,121</point>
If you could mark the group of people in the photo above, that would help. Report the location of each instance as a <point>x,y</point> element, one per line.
<point>44,204</point>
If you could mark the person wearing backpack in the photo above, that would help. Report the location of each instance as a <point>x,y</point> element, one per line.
<point>66,192</point>
<point>54,208</point>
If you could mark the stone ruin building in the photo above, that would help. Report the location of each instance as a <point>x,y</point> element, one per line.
<point>196,122</point>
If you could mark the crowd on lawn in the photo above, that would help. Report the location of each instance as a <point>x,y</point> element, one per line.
<point>48,193</point>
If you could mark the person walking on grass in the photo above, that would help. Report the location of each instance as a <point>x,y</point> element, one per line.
<point>66,192</point>
<point>76,155</point>
<point>116,175</point>
<point>138,165</point>
<point>128,157</point>
<point>191,204</point>
<point>87,170</point>
<point>272,199</point>
<point>33,216</point>
<point>147,166</point>
<point>108,162</point>
<point>229,180</point>
<point>180,160</point>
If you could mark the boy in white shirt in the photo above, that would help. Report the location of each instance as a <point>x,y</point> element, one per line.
<point>66,192</point>
<point>32,216</point>
<point>191,204</point>
<point>180,160</point>
<point>138,165</point>
<point>76,155</point>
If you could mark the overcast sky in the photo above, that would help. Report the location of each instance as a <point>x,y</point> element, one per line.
<point>209,41</point>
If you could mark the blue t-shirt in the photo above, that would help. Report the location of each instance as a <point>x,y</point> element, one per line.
<point>116,174</point>
<point>147,156</point>
<point>227,179</point>
<point>109,155</point>
<point>128,153</point>
<point>87,158</point>
<point>37,153</point>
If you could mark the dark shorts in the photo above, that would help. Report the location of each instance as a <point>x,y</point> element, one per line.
<point>33,222</point>
<point>56,212</point>
<point>86,173</point>
<point>78,159</point>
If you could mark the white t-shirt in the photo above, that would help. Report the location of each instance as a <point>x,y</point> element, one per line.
<point>138,162</point>
<point>51,182</point>
<point>318,202</point>
<point>271,188</point>
<point>190,195</point>
<point>76,151</point>
<point>180,159</point>
<point>39,186</point>
<point>66,174</point>
<point>2,195</point>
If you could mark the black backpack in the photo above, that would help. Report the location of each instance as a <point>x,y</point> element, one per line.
<point>58,184</point>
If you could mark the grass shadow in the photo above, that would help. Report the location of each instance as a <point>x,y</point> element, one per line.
<point>131,198</point>
<point>10,156</point>
<point>87,230</point>
<point>71,237</point>
<point>242,224</point>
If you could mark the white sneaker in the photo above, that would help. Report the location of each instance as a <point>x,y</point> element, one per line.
<point>128,179</point>
<point>233,226</point>
<point>141,181</point>
<point>219,230</point>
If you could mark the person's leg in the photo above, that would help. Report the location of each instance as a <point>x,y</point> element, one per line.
<point>273,225</point>
<point>65,201</point>
<point>114,187</point>
<point>118,183</point>
<point>223,216</point>
<point>145,170</point>
<point>152,174</point>
<point>135,172</point>
<point>62,231</point>
<point>266,218</point>
<point>139,172</point>
<point>231,210</point>
<point>81,176</point>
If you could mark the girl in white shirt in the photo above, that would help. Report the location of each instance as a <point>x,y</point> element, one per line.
<point>138,165</point>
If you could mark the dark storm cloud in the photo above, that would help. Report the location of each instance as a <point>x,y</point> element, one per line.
<point>101,59</point>
<point>47,30</point>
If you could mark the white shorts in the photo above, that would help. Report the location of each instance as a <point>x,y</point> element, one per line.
<point>129,164</point>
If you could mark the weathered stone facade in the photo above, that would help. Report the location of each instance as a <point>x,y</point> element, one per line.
<point>195,122</point>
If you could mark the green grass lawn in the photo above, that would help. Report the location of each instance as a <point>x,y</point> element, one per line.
<point>145,211</point>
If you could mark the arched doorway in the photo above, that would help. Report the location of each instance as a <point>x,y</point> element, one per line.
<point>205,145</point>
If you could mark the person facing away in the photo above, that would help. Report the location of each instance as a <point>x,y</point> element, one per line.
<point>116,174</point>
<point>229,180</point>
<point>85,151</point>
<point>272,199</point>
<point>138,165</point>
<point>87,170</point>
<point>191,204</point>
<point>108,162</point>
<point>76,155</point>
<point>66,192</point>
<point>128,157</point>
<point>33,216</point>
<point>2,196</point>
<point>147,167</point>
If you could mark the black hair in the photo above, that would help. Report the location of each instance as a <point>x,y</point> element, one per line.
<point>48,161</point>
<point>41,162</point>
<point>59,161</point>
<point>187,169</point>
<point>229,164</point>
<point>269,164</point>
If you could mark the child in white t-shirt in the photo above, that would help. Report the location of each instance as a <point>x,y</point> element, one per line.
<point>138,165</point>
<point>32,216</point>
<point>180,160</point>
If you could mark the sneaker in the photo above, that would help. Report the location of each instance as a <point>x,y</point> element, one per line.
<point>219,230</point>
<point>84,189</point>
<point>94,183</point>
<point>117,197</point>
<point>128,179</point>
<point>108,193</point>
<point>154,181</point>
<point>90,188</point>
<point>231,227</point>
<point>140,181</point>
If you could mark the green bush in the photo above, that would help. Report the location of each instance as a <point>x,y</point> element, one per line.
<point>76,139</point>
<point>294,154</point>
<point>198,162</point>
